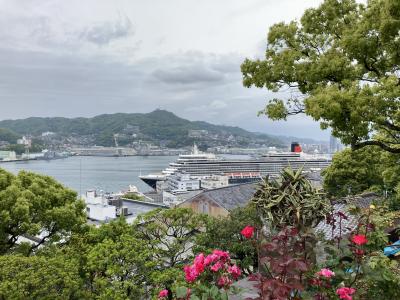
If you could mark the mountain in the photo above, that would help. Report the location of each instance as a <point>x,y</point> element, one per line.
<point>9,136</point>
<point>159,126</point>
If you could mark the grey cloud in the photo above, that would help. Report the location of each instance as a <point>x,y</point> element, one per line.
<point>198,69</point>
<point>76,58</point>
<point>106,32</point>
<point>45,84</point>
<point>188,75</point>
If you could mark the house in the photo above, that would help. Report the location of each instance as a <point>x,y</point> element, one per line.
<point>220,201</point>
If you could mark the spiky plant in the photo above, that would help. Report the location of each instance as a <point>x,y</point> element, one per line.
<point>290,200</point>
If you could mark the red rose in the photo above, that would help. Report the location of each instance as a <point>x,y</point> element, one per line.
<point>248,232</point>
<point>359,239</point>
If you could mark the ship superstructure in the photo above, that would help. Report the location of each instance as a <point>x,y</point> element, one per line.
<point>199,165</point>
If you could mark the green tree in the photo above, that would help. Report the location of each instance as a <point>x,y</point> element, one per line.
<point>224,233</point>
<point>341,63</point>
<point>112,262</point>
<point>36,206</point>
<point>119,268</point>
<point>391,175</point>
<point>39,277</point>
<point>353,172</point>
<point>170,234</point>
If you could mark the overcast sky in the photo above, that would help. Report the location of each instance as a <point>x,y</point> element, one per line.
<point>88,57</point>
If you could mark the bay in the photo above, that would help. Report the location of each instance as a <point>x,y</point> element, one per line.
<point>82,173</point>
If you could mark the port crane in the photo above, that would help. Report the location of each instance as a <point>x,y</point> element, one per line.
<point>116,139</point>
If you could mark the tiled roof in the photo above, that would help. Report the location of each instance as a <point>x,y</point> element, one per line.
<point>361,201</point>
<point>235,196</point>
<point>347,225</point>
<point>229,197</point>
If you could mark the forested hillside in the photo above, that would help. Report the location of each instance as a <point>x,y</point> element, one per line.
<point>159,125</point>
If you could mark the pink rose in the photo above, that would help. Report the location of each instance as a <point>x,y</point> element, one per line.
<point>191,273</point>
<point>224,281</point>
<point>234,271</point>
<point>216,267</point>
<point>222,255</point>
<point>247,232</point>
<point>163,294</point>
<point>199,263</point>
<point>345,293</point>
<point>326,273</point>
<point>210,259</point>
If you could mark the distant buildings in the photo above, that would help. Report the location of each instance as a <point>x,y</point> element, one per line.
<point>335,145</point>
<point>197,133</point>
<point>104,151</point>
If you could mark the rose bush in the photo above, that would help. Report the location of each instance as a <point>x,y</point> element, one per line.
<point>348,264</point>
<point>209,277</point>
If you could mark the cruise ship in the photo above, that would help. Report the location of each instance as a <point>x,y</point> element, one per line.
<point>199,164</point>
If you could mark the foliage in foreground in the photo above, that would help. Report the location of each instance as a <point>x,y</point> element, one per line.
<point>155,256</point>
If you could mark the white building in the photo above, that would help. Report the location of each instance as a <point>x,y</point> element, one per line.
<point>97,207</point>
<point>24,141</point>
<point>214,182</point>
<point>181,182</point>
<point>47,133</point>
<point>7,155</point>
<point>33,155</point>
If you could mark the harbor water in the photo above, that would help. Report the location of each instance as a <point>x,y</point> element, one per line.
<point>82,173</point>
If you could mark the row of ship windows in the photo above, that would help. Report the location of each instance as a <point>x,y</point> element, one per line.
<point>247,169</point>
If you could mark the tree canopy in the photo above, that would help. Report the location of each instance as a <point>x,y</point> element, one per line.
<point>39,277</point>
<point>37,206</point>
<point>369,168</point>
<point>170,233</point>
<point>341,64</point>
<point>353,172</point>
